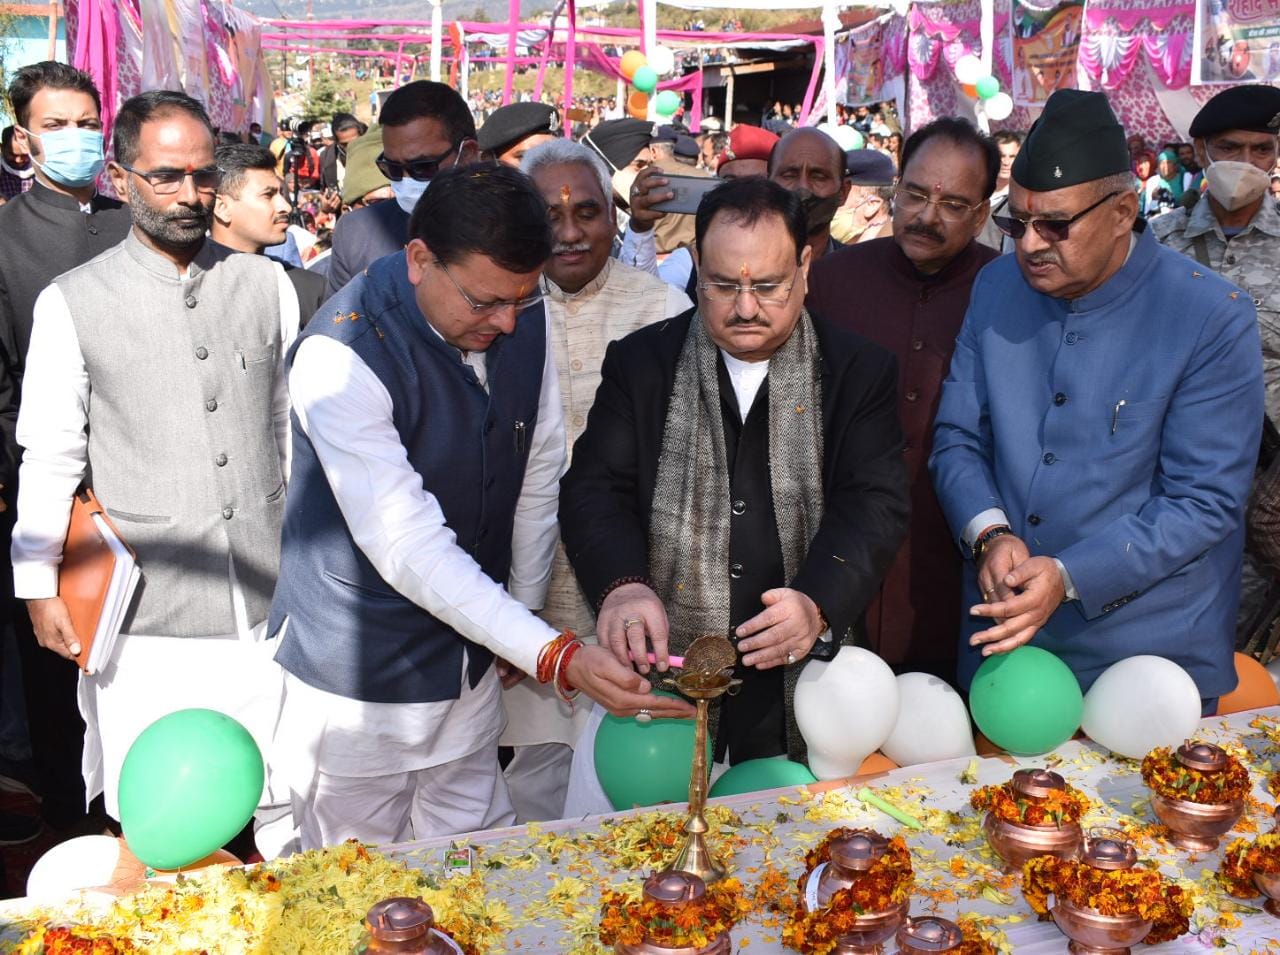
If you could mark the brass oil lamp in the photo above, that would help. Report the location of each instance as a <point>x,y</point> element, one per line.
<point>673,890</point>
<point>1198,827</point>
<point>1016,843</point>
<point>707,675</point>
<point>1091,932</point>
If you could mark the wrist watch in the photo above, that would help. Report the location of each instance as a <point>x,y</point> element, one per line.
<point>987,537</point>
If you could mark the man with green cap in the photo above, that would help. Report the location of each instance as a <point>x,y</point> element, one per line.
<point>1099,426</point>
<point>1235,230</point>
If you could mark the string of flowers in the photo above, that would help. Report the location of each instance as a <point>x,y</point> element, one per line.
<point>887,883</point>
<point>627,917</point>
<point>1167,777</point>
<point>1137,891</point>
<point>1243,858</point>
<point>1058,808</point>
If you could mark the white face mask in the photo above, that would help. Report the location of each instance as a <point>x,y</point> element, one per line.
<point>1236,184</point>
<point>623,180</point>
<point>408,191</point>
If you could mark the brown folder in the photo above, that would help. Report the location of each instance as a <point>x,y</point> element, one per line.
<point>88,566</point>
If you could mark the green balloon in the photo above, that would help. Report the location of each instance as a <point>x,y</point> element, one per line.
<point>1027,701</point>
<point>189,783</point>
<point>643,764</point>
<point>987,87</point>
<point>645,79</point>
<point>667,102</point>
<point>757,774</point>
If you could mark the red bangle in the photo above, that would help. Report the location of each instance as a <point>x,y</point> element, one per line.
<point>549,655</point>
<point>562,667</point>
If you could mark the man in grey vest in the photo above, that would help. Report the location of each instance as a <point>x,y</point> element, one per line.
<point>421,525</point>
<point>156,368</point>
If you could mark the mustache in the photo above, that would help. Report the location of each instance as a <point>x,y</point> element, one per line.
<point>739,322</point>
<point>1043,258</point>
<point>924,231</point>
<point>567,248</point>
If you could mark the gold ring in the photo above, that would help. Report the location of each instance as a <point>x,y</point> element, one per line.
<point>630,622</point>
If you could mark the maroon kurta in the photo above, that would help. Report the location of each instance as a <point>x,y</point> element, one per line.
<point>874,290</point>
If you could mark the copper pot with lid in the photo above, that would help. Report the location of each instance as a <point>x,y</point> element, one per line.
<point>1195,826</point>
<point>851,855</point>
<point>1091,932</point>
<point>672,889</point>
<point>1016,843</point>
<point>406,927</point>
<point>929,933</point>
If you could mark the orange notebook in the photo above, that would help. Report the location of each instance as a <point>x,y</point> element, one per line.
<point>97,579</point>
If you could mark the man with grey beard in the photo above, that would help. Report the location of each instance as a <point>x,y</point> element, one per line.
<point>157,369</point>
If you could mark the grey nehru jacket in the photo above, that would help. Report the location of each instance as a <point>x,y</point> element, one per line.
<point>182,451</point>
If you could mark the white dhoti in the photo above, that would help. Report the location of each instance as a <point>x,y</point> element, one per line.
<point>150,677</point>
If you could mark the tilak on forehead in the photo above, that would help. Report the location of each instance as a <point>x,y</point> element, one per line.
<point>744,272</point>
<point>566,195</point>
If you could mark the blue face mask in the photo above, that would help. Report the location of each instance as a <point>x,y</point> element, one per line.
<point>72,157</point>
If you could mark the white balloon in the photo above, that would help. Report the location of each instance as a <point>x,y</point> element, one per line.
<point>933,722</point>
<point>969,69</point>
<point>999,106</point>
<point>1140,703</point>
<point>845,710</point>
<point>81,863</point>
<point>662,60</point>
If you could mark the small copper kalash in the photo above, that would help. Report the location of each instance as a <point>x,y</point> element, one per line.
<point>707,675</point>
<point>1091,932</point>
<point>1268,883</point>
<point>406,927</point>
<point>672,890</point>
<point>1016,843</point>
<point>852,855</point>
<point>929,933</point>
<point>1198,826</point>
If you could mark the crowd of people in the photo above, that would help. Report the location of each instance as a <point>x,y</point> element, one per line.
<point>518,434</point>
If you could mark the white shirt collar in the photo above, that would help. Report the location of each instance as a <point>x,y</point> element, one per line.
<point>746,377</point>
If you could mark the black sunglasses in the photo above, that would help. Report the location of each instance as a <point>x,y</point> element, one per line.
<point>422,170</point>
<point>1051,230</point>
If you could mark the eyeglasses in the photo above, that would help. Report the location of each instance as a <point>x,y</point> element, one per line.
<point>423,170</point>
<point>166,182</point>
<point>765,293</point>
<point>1051,230</point>
<point>487,308</point>
<point>949,210</point>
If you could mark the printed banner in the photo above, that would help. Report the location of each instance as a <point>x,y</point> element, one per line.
<point>865,74</point>
<point>1046,42</point>
<point>1236,41</point>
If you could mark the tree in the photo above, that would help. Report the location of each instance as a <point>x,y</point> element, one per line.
<point>322,99</point>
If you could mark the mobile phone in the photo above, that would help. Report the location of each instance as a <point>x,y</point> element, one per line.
<point>688,190</point>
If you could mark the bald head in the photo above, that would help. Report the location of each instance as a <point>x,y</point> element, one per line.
<point>807,146</point>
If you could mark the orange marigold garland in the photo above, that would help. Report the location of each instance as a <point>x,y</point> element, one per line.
<point>1118,892</point>
<point>887,883</point>
<point>974,943</point>
<point>630,919</point>
<point>1162,772</point>
<point>1058,808</point>
<point>74,941</point>
<point>1243,858</point>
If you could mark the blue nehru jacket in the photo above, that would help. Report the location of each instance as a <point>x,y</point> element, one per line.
<point>1119,433</point>
<point>350,632</point>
